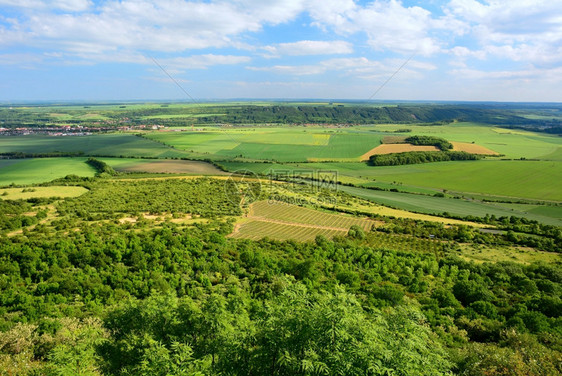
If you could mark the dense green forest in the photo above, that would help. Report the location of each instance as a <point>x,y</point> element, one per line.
<point>90,294</point>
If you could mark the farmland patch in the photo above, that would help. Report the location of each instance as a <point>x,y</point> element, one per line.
<point>396,148</point>
<point>282,221</point>
<point>472,148</point>
<point>163,166</point>
<point>41,192</point>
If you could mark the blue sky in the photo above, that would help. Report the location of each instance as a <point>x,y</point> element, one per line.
<point>504,50</point>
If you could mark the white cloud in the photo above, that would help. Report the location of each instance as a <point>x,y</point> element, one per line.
<point>517,30</point>
<point>295,70</point>
<point>529,74</point>
<point>310,47</point>
<point>203,61</point>
<point>64,5</point>
<point>358,67</point>
<point>388,25</point>
<point>164,25</point>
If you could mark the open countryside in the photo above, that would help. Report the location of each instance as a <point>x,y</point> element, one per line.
<point>218,234</point>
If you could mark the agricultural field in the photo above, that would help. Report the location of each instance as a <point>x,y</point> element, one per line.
<point>281,221</point>
<point>396,148</point>
<point>39,170</point>
<point>511,143</point>
<point>291,144</point>
<point>298,144</point>
<point>472,148</point>
<point>115,144</point>
<point>452,206</point>
<point>41,192</point>
<point>167,166</point>
<point>412,187</point>
<point>130,248</point>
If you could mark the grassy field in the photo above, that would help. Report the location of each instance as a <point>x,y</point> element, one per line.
<point>298,144</point>
<point>290,144</point>
<point>102,145</point>
<point>169,166</point>
<point>312,149</point>
<point>284,222</point>
<point>512,179</point>
<point>526,179</point>
<point>511,143</point>
<point>38,170</point>
<point>481,254</point>
<point>40,192</point>
<point>439,205</point>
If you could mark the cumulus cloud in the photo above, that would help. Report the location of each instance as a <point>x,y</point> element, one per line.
<point>360,67</point>
<point>203,61</point>
<point>310,47</point>
<point>518,30</point>
<point>388,25</point>
<point>65,5</point>
<point>165,25</point>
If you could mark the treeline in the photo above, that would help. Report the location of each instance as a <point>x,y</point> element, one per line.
<point>101,167</point>
<point>438,142</point>
<point>431,114</point>
<point>416,157</point>
<point>55,154</point>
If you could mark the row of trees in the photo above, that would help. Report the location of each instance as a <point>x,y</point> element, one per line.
<point>416,157</point>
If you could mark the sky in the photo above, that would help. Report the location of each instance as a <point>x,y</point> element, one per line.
<point>457,50</point>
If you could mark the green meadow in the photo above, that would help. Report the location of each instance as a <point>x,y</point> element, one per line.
<point>531,169</point>
<point>512,143</point>
<point>115,144</point>
<point>290,144</point>
<point>457,207</point>
<point>39,170</point>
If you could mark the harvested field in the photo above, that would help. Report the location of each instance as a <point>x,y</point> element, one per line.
<point>396,148</point>
<point>472,148</point>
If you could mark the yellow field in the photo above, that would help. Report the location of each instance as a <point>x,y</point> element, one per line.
<point>40,192</point>
<point>396,148</point>
<point>472,148</point>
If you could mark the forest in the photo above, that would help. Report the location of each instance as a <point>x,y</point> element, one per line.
<point>94,294</point>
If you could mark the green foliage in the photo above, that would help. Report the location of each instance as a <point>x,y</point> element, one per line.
<point>297,332</point>
<point>416,157</point>
<point>205,197</point>
<point>438,142</point>
<point>187,299</point>
<point>101,166</point>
